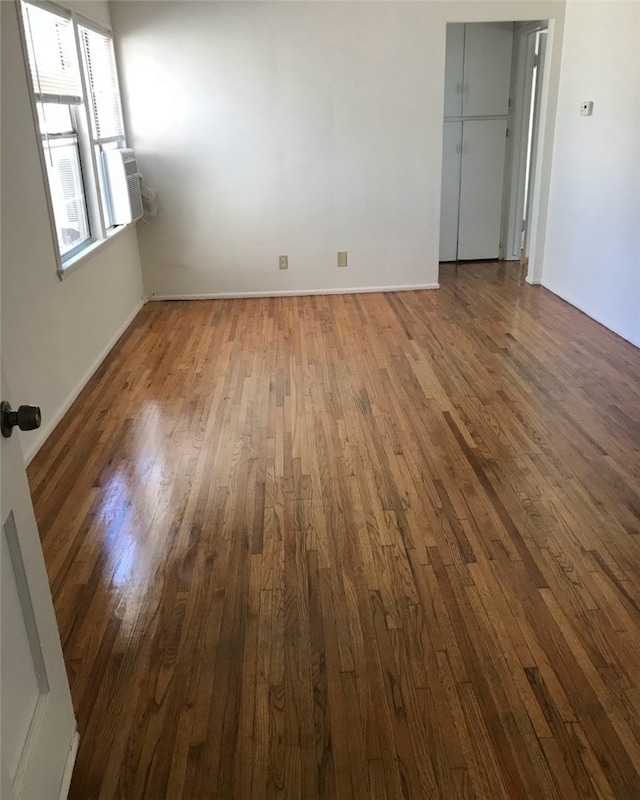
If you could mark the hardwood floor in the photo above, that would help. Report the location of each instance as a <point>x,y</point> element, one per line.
<point>355,547</point>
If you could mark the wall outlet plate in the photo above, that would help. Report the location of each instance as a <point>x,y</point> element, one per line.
<point>586,108</point>
<point>283,262</point>
<point>342,258</point>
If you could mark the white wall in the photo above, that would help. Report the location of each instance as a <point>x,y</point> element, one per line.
<point>54,333</point>
<point>291,128</point>
<point>592,257</point>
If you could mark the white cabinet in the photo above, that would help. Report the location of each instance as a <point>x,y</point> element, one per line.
<point>453,71</point>
<point>487,69</point>
<point>473,161</point>
<point>450,200</point>
<point>481,187</point>
<point>476,105</point>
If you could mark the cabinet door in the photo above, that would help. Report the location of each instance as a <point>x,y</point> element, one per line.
<point>481,188</point>
<point>450,198</point>
<point>487,68</point>
<point>453,70</point>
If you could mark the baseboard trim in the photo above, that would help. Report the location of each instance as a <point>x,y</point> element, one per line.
<point>590,313</point>
<point>45,431</point>
<point>68,767</point>
<point>294,292</point>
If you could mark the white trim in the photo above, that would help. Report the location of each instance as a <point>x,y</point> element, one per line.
<point>46,430</point>
<point>611,326</point>
<point>92,25</point>
<point>530,27</point>
<point>52,8</point>
<point>68,767</point>
<point>294,292</point>
<point>541,174</point>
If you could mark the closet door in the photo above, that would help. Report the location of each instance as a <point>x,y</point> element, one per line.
<point>481,186</point>
<point>450,199</point>
<point>453,78</point>
<point>487,68</point>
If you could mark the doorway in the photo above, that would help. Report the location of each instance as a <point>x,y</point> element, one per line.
<point>492,110</point>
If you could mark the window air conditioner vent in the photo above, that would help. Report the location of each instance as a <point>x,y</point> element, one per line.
<point>123,183</point>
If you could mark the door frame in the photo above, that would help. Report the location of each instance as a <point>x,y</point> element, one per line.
<point>541,175</point>
<point>521,89</point>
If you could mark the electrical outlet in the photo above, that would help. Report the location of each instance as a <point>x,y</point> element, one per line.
<point>283,262</point>
<point>342,258</point>
<point>586,108</point>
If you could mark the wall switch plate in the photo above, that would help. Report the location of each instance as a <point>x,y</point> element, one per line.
<point>586,108</point>
<point>342,258</point>
<point>283,262</point>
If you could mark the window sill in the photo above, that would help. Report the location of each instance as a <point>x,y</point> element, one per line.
<point>72,264</point>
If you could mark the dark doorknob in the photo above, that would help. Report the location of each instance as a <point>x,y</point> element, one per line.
<point>27,418</point>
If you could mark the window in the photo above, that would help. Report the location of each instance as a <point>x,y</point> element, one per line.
<point>107,130</point>
<point>79,115</point>
<point>62,154</point>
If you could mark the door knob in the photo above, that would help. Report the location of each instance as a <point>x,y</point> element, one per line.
<point>27,418</point>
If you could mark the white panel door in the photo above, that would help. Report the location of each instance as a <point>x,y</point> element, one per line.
<point>450,197</point>
<point>453,75</point>
<point>481,188</point>
<point>487,68</point>
<point>38,732</point>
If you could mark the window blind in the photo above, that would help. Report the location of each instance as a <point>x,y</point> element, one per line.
<point>52,56</point>
<point>102,85</point>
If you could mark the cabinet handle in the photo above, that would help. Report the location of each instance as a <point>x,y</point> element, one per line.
<point>459,88</point>
<point>465,89</point>
<point>458,148</point>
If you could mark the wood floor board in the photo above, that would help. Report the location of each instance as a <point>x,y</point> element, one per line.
<point>353,547</point>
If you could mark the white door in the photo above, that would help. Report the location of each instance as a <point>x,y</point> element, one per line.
<point>38,733</point>
<point>450,198</point>
<point>487,68</point>
<point>481,188</point>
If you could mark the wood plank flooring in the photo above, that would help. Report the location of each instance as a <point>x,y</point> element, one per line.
<point>355,547</point>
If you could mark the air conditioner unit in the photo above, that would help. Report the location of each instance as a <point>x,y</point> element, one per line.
<point>123,183</point>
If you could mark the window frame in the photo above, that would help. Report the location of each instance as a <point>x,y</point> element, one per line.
<point>101,231</point>
<point>98,143</point>
<point>48,140</point>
